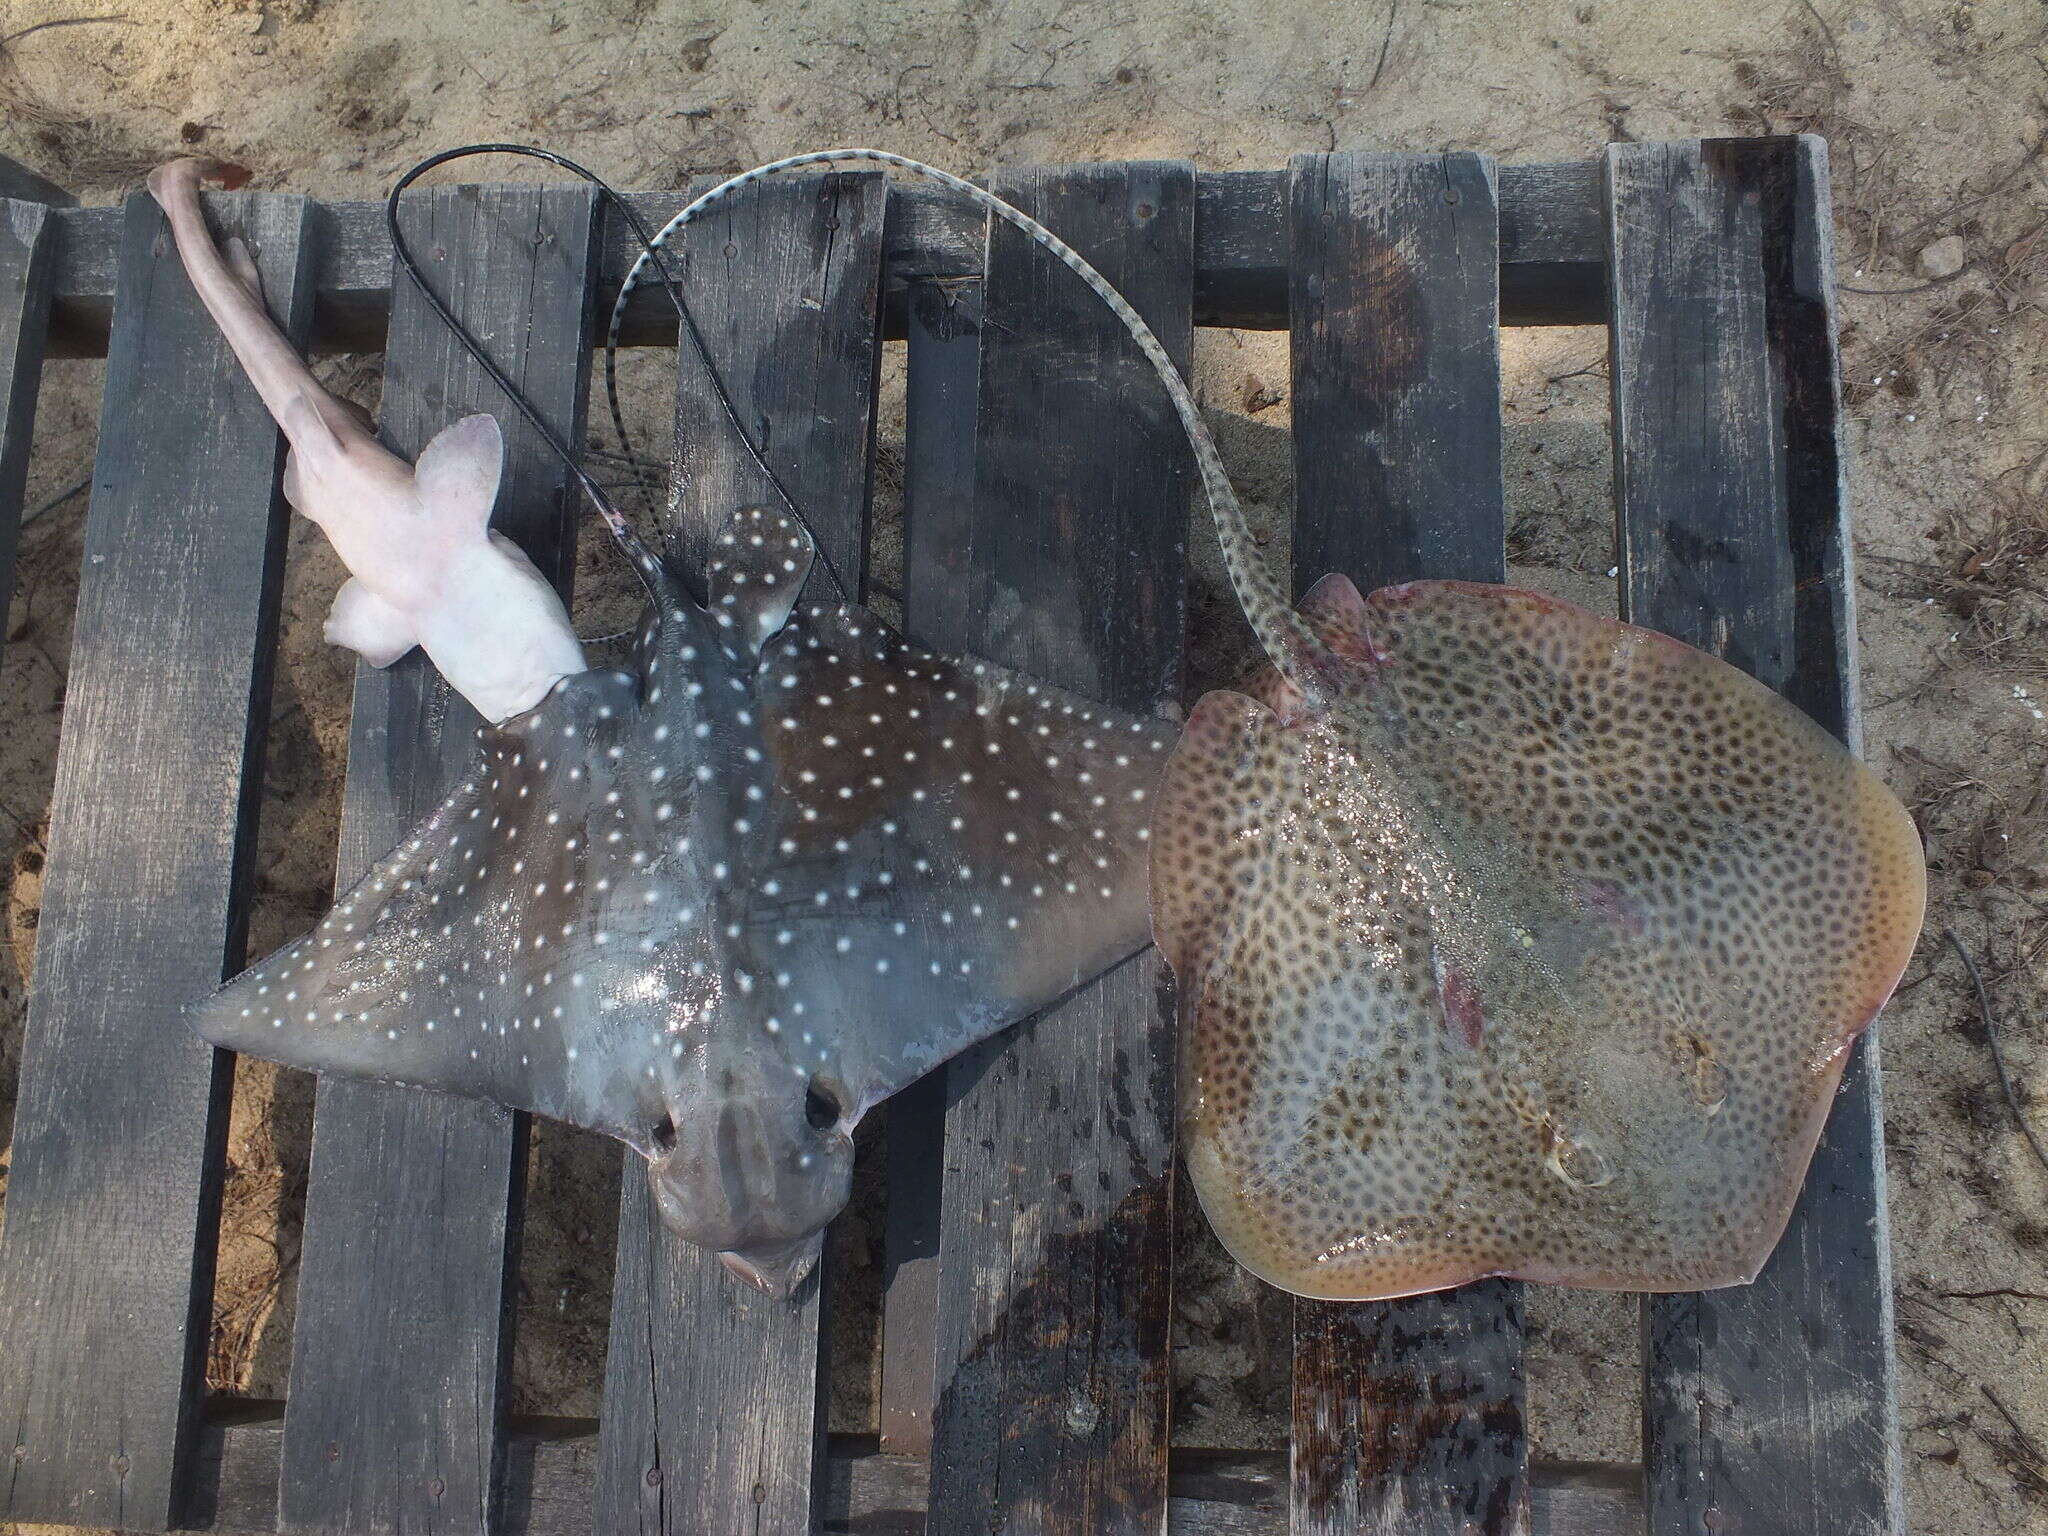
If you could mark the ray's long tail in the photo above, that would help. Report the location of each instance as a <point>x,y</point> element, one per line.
<point>1293,647</point>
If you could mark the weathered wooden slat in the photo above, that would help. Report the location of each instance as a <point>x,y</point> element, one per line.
<point>1553,247</point>
<point>27,272</point>
<point>411,1210</point>
<point>942,377</point>
<point>545,1487</point>
<point>1396,363</point>
<point>1549,227</point>
<point>1068,562</point>
<point>18,181</point>
<point>1407,1415</point>
<point>712,1416</point>
<point>1772,1406</point>
<point>106,1270</point>
<point>784,281</point>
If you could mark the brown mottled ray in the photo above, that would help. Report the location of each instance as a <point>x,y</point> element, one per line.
<point>1537,950</point>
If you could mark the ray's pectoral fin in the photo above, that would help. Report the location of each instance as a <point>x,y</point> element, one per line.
<point>358,994</point>
<point>1535,952</point>
<point>1199,851</point>
<point>465,959</point>
<point>1238,862</point>
<point>964,845</point>
<point>759,563</point>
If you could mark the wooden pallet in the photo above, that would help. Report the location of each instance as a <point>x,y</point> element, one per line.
<point>1026,1381</point>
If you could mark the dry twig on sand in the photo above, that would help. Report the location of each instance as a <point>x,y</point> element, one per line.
<point>2012,1098</point>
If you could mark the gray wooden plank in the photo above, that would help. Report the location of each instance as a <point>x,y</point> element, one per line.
<point>27,273</point>
<point>549,1467</point>
<point>1068,562</point>
<point>1396,369</point>
<point>411,1210</point>
<point>942,378</point>
<point>106,1268</point>
<point>802,257</point>
<point>18,181</point>
<point>1408,1415</point>
<point>712,1409</point>
<point>1773,1406</point>
<point>1553,251</point>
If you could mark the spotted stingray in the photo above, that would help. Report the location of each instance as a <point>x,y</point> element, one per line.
<point>1534,945</point>
<point>721,903</point>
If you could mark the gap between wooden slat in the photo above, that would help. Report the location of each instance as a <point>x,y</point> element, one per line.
<point>27,281</point>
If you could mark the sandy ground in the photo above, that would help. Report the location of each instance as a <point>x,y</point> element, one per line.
<point>1935,115</point>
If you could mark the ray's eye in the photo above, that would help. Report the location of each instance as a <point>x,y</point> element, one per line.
<point>665,1133</point>
<point>821,1106</point>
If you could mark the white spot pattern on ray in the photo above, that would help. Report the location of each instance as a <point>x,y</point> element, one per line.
<point>619,870</point>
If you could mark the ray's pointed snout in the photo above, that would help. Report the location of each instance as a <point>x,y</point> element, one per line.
<point>778,1271</point>
<point>753,1169</point>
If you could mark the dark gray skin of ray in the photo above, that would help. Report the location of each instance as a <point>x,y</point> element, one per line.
<point>720,905</point>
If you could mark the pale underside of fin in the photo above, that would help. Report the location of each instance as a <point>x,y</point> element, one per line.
<point>367,625</point>
<point>1539,954</point>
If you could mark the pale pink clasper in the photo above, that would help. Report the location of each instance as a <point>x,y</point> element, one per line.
<point>424,567</point>
<point>1534,947</point>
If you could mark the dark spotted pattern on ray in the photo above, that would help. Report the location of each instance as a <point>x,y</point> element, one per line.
<point>1537,950</point>
<point>721,904</point>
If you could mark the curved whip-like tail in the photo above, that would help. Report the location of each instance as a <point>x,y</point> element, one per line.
<point>1294,647</point>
